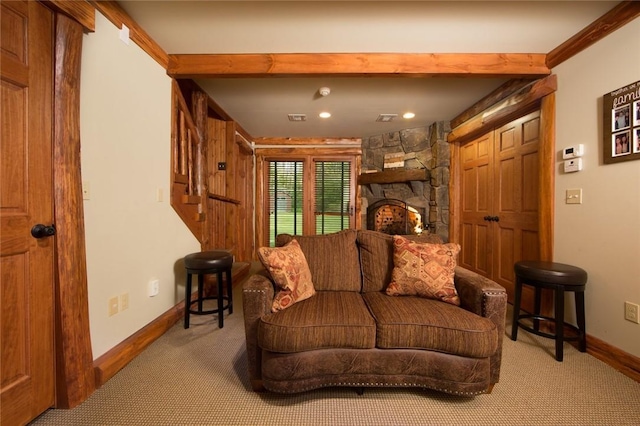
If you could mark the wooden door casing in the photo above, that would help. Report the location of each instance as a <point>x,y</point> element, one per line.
<point>27,264</point>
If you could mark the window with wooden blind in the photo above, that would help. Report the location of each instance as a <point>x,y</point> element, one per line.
<point>286,197</point>
<point>333,209</point>
<point>309,195</point>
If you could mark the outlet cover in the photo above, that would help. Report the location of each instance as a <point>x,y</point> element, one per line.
<point>113,306</point>
<point>124,301</point>
<point>632,312</point>
<point>154,287</point>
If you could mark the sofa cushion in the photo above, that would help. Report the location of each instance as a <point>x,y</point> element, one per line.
<point>419,323</point>
<point>333,259</point>
<point>330,319</point>
<point>424,270</point>
<point>376,257</point>
<point>290,272</point>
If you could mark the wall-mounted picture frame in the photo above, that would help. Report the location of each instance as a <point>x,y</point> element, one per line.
<point>620,144</point>
<point>621,124</point>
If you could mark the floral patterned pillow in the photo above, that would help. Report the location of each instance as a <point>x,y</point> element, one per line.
<point>424,270</point>
<point>289,269</point>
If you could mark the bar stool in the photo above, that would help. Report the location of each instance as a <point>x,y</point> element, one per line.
<point>559,278</point>
<point>201,264</point>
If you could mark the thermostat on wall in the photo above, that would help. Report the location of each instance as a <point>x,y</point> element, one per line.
<point>573,151</point>
<point>573,165</point>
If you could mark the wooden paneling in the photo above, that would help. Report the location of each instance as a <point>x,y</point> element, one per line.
<point>357,64</point>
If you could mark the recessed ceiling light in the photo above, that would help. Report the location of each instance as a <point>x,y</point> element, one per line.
<point>325,114</point>
<point>408,115</point>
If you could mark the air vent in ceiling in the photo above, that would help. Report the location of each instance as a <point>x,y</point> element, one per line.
<point>297,117</point>
<point>385,118</point>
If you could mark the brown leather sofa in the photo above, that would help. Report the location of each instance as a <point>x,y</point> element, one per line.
<point>352,334</point>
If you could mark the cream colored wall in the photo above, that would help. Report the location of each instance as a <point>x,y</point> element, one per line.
<point>125,111</point>
<point>602,235</point>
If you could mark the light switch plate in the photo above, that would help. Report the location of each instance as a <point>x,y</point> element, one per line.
<point>574,196</point>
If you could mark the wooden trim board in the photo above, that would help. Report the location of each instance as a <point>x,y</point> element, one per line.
<point>107,365</point>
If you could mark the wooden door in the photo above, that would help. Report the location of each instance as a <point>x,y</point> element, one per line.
<point>516,189</point>
<point>27,298</point>
<point>477,204</point>
<point>499,205</point>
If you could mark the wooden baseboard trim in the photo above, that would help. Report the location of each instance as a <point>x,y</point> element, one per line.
<point>107,365</point>
<point>624,362</point>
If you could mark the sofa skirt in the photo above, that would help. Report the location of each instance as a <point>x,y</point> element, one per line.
<point>303,371</point>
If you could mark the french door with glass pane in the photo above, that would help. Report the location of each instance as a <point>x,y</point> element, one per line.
<point>308,196</point>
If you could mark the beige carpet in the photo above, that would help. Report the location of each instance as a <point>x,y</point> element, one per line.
<point>198,377</point>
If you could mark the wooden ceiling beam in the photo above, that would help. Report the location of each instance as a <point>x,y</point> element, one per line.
<point>529,65</point>
<point>617,17</point>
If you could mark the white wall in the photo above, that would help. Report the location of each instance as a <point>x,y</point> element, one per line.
<point>125,111</point>
<point>602,235</point>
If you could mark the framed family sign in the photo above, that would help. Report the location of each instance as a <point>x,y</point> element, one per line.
<point>621,131</point>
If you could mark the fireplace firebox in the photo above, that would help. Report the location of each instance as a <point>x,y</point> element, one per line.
<point>395,217</point>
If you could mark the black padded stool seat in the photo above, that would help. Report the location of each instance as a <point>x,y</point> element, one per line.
<point>201,264</point>
<point>559,278</point>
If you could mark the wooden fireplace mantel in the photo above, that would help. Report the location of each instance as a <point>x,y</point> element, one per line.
<point>393,176</point>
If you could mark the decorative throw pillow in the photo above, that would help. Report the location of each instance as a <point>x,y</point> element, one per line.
<point>424,270</point>
<point>289,269</point>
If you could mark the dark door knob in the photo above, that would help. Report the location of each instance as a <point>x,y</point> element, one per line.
<point>43,231</point>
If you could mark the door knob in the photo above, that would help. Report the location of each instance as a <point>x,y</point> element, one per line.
<point>487,218</point>
<point>43,231</point>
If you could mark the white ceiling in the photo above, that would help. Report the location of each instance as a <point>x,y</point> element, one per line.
<point>261,105</point>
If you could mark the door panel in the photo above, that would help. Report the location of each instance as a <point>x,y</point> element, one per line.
<point>477,202</point>
<point>26,319</point>
<point>517,207</point>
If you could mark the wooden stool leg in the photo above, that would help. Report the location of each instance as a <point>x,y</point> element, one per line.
<point>230,291</point>
<point>516,309</point>
<point>220,301</point>
<point>537,307</point>
<point>582,342</point>
<point>200,291</point>
<point>187,301</point>
<point>559,316</point>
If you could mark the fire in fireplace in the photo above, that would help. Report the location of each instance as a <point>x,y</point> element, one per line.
<point>395,217</point>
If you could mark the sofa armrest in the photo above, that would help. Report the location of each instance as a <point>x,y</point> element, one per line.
<point>488,299</point>
<point>257,297</point>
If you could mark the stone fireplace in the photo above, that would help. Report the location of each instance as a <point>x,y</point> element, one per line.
<point>422,184</point>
